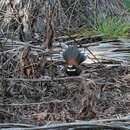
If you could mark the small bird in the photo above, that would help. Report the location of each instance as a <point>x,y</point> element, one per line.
<point>73,58</point>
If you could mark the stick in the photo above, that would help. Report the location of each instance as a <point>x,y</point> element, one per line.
<point>43,80</point>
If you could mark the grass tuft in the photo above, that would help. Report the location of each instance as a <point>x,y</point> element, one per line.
<point>127,3</point>
<point>112,27</point>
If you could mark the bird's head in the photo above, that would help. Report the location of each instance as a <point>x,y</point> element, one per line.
<point>72,70</point>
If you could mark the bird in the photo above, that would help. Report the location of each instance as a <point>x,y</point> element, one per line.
<point>73,57</point>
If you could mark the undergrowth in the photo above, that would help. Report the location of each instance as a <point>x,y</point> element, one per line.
<point>112,27</point>
<point>108,27</point>
<point>127,3</point>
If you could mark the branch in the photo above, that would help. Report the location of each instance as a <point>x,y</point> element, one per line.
<point>36,103</point>
<point>44,80</point>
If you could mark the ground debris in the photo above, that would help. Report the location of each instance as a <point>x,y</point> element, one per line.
<point>100,92</point>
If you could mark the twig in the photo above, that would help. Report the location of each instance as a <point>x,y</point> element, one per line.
<point>88,124</point>
<point>36,103</point>
<point>80,125</point>
<point>71,14</point>
<point>16,125</point>
<point>11,51</point>
<point>44,80</point>
<point>4,40</point>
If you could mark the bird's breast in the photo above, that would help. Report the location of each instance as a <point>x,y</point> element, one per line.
<point>72,62</point>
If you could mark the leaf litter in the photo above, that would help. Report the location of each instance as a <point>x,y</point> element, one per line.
<point>34,90</point>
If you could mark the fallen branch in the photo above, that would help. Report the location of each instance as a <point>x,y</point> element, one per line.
<point>45,79</point>
<point>19,43</point>
<point>77,125</point>
<point>16,125</point>
<point>36,103</point>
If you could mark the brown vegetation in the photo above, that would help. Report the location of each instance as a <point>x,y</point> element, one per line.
<point>33,89</point>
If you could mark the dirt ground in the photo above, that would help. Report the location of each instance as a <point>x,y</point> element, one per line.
<point>42,92</point>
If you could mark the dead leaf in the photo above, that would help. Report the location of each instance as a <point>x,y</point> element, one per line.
<point>41,115</point>
<point>127,77</point>
<point>28,62</point>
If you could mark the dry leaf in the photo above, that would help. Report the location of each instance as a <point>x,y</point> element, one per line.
<point>127,77</point>
<point>41,115</point>
<point>27,62</point>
